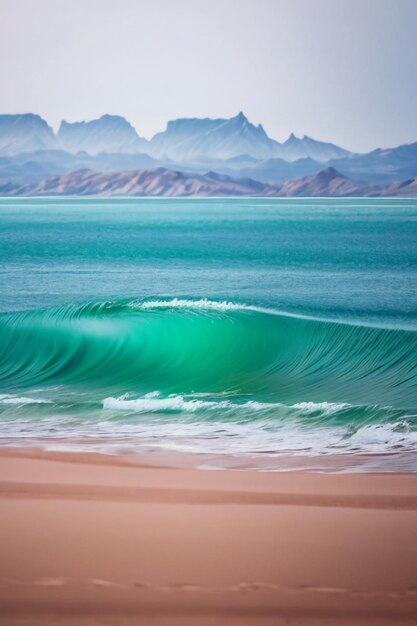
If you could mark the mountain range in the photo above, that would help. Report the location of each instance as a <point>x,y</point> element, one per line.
<point>184,140</point>
<point>187,140</point>
<point>171,183</point>
<point>235,149</point>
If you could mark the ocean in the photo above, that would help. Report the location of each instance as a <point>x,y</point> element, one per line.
<point>263,333</point>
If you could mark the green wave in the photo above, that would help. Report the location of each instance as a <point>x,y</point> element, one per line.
<point>202,347</point>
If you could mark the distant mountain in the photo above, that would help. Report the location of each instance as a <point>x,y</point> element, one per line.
<point>236,138</point>
<point>242,160</point>
<point>30,151</point>
<point>28,171</point>
<point>31,167</point>
<point>170,183</point>
<point>328,182</point>
<point>157,182</point>
<point>190,139</point>
<point>381,165</point>
<point>25,133</point>
<point>275,170</point>
<point>306,147</point>
<point>405,189</point>
<point>110,133</point>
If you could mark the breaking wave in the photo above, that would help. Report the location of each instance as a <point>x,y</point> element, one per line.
<point>170,367</point>
<point>184,346</point>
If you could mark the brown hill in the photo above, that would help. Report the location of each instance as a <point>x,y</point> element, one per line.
<point>171,183</point>
<point>328,182</point>
<point>156,182</point>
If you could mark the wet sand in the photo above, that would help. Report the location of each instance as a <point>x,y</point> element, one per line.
<point>89,539</point>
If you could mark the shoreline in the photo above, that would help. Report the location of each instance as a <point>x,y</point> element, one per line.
<point>87,538</point>
<point>384,463</point>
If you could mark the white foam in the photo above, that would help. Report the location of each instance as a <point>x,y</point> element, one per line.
<point>152,402</point>
<point>178,303</point>
<point>6,398</point>
<point>381,437</point>
<point>262,442</point>
<point>324,407</point>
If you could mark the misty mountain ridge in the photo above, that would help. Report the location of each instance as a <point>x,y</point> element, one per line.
<point>30,152</point>
<point>183,140</point>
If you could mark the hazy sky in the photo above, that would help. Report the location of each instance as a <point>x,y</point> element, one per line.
<point>339,70</point>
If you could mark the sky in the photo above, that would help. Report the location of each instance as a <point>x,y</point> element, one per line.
<point>343,71</point>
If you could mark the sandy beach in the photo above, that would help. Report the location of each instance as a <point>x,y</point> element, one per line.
<point>89,539</point>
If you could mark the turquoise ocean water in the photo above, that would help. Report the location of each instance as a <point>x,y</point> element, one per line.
<point>253,330</point>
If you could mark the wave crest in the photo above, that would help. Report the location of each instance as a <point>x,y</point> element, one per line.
<point>199,305</point>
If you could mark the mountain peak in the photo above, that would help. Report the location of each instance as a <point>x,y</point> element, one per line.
<point>295,148</point>
<point>22,117</point>
<point>189,139</point>
<point>329,173</point>
<point>118,119</point>
<point>292,139</point>
<point>240,118</point>
<point>328,182</point>
<point>109,133</point>
<point>100,121</point>
<point>25,132</point>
